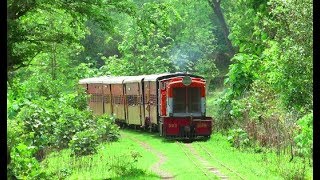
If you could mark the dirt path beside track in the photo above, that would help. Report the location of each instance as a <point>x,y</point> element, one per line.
<point>156,168</point>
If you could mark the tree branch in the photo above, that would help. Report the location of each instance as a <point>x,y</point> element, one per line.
<point>215,5</point>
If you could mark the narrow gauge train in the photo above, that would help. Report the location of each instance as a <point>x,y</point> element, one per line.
<point>172,103</point>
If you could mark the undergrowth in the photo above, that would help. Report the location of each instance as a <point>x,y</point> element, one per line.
<point>116,160</point>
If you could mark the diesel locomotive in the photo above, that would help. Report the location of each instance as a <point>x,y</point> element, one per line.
<point>174,104</point>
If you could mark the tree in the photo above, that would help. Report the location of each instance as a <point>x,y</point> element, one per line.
<point>215,5</point>
<point>33,25</point>
<point>207,68</point>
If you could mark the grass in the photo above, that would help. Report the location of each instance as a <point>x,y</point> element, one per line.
<point>113,160</point>
<point>116,161</point>
<point>248,164</point>
<point>177,163</point>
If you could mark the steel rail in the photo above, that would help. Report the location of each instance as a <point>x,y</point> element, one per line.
<point>210,155</point>
<point>197,165</point>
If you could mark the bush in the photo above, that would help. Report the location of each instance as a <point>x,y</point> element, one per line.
<point>125,165</point>
<point>38,118</point>
<point>23,165</point>
<point>304,137</point>
<point>77,100</point>
<point>238,138</point>
<point>14,132</point>
<point>84,143</point>
<point>107,129</point>
<point>69,123</point>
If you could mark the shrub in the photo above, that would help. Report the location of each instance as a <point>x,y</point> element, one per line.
<point>292,170</point>
<point>304,138</point>
<point>107,129</point>
<point>84,143</point>
<point>77,100</point>
<point>223,119</point>
<point>38,118</point>
<point>14,132</point>
<point>125,165</point>
<point>69,123</point>
<point>238,138</point>
<point>23,165</point>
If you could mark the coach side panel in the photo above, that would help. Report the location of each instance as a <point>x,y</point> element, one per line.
<point>96,101</point>
<point>134,111</point>
<point>117,98</point>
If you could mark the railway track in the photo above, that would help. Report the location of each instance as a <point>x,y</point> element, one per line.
<point>197,165</point>
<point>216,160</point>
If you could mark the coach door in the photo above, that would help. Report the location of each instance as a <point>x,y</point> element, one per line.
<point>133,103</point>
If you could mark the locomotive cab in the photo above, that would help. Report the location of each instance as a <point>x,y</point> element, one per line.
<point>184,115</point>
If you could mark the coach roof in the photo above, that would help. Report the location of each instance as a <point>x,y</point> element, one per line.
<point>103,79</point>
<point>114,79</point>
<point>130,79</point>
<point>153,77</point>
<point>94,80</point>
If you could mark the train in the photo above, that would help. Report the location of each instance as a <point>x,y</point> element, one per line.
<point>172,104</point>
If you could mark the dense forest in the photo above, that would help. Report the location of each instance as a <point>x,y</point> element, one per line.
<point>256,56</point>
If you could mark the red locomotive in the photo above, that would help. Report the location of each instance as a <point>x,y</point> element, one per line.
<point>172,103</point>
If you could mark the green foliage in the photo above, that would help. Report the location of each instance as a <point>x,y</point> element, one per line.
<point>69,123</point>
<point>193,38</point>
<point>269,84</point>
<point>77,100</point>
<point>222,111</point>
<point>38,118</point>
<point>107,129</point>
<point>293,170</point>
<point>274,36</point>
<point>242,73</point>
<point>84,143</point>
<point>304,137</point>
<point>47,122</point>
<point>23,165</point>
<point>126,165</point>
<point>207,68</point>
<point>238,138</point>
<point>145,45</point>
<point>33,26</point>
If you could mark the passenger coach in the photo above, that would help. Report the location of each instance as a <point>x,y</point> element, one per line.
<point>172,103</point>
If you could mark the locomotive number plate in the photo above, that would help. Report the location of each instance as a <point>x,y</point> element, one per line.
<point>172,125</point>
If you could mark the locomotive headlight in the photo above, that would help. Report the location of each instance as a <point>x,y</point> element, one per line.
<point>186,80</point>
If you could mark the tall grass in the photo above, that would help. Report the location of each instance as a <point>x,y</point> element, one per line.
<point>113,160</point>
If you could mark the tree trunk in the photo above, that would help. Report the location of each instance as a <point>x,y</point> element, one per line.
<point>215,5</point>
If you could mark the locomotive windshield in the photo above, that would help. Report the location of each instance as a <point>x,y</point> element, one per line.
<point>186,100</point>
